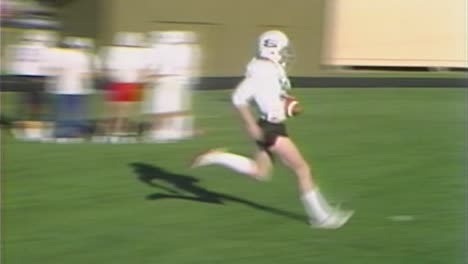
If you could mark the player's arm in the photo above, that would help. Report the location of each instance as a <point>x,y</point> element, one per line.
<point>287,96</point>
<point>286,87</point>
<point>241,99</point>
<point>249,121</point>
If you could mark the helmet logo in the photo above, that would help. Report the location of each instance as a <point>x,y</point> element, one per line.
<point>270,43</point>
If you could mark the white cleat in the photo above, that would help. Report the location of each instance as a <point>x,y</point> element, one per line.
<point>197,161</point>
<point>336,220</point>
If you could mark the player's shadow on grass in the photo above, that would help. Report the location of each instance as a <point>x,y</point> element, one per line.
<point>186,188</point>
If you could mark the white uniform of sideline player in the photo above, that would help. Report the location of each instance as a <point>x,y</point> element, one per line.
<point>266,84</point>
<point>174,65</point>
<point>125,65</point>
<point>26,64</point>
<point>71,69</point>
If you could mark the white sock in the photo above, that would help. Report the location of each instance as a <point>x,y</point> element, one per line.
<point>183,125</point>
<point>165,124</point>
<point>188,125</point>
<point>235,162</point>
<point>315,206</point>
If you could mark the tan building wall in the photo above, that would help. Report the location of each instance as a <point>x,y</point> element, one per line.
<point>397,33</point>
<point>80,18</point>
<point>227,28</point>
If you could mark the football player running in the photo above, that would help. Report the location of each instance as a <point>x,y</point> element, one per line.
<point>267,85</point>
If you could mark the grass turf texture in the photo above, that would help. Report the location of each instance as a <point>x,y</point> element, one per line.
<point>383,152</point>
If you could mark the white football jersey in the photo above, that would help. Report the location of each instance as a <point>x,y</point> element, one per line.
<point>71,70</point>
<point>174,60</point>
<point>27,59</point>
<point>265,83</point>
<point>125,64</point>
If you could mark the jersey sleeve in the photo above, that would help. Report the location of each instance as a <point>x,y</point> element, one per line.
<point>261,84</point>
<point>269,100</point>
<point>50,60</point>
<point>244,92</point>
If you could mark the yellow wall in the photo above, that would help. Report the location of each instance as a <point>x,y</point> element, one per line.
<point>397,32</point>
<point>80,18</point>
<point>227,29</point>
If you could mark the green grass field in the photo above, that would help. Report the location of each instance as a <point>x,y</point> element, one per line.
<point>383,152</point>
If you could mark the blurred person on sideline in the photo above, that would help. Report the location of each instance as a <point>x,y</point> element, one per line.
<point>103,105</point>
<point>26,62</point>
<point>88,47</point>
<point>124,65</point>
<point>71,69</point>
<point>267,86</point>
<point>174,66</point>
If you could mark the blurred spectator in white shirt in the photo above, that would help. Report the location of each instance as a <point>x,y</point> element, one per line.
<point>25,65</point>
<point>174,66</point>
<point>124,64</point>
<point>71,70</point>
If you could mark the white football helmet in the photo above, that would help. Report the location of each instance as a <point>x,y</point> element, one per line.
<point>31,36</point>
<point>50,38</point>
<point>190,36</point>
<point>170,37</point>
<point>86,43</point>
<point>71,42</point>
<point>128,39</point>
<point>177,37</point>
<point>154,37</point>
<point>274,45</point>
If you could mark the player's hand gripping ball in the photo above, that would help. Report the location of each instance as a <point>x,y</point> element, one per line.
<point>292,106</point>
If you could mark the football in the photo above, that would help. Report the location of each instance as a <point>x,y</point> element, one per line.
<point>292,107</point>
